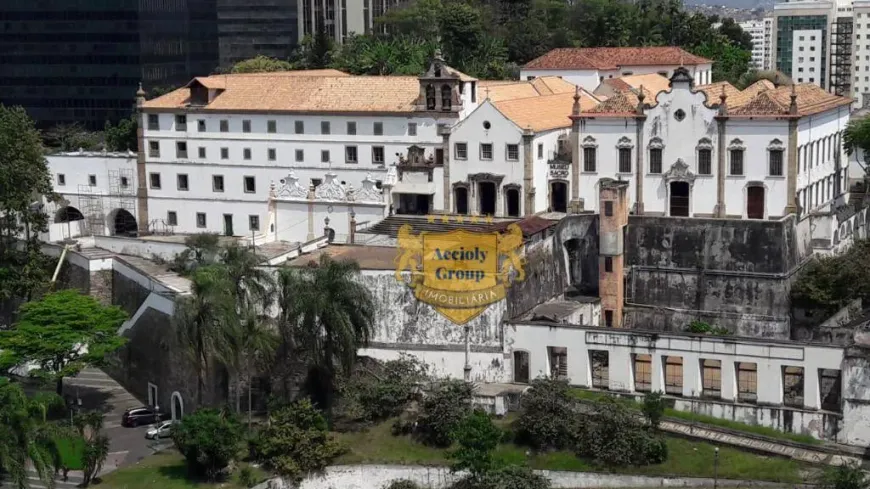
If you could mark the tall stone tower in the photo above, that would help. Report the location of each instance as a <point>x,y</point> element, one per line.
<point>613,205</point>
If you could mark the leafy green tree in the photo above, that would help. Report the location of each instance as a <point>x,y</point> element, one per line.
<point>24,178</point>
<point>828,284</point>
<point>202,249</point>
<point>72,137</point>
<point>511,477</point>
<point>296,441</point>
<point>252,286</point>
<point>201,317</point>
<point>731,62</point>
<point>738,37</point>
<point>477,437</point>
<point>122,137</point>
<point>653,408</point>
<point>261,64</point>
<point>461,28</point>
<point>546,420</point>
<point>378,394</point>
<point>27,439</point>
<point>328,314</point>
<point>414,19</point>
<point>96,445</point>
<point>612,435</point>
<point>856,138</point>
<point>209,441</point>
<point>849,476</point>
<point>443,409</point>
<point>61,334</point>
<point>778,78</point>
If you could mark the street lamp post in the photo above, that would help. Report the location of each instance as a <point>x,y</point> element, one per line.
<point>716,468</point>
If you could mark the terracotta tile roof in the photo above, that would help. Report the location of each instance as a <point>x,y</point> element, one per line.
<point>545,112</point>
<point>498,90</point>
<point>652,83</point>
<point>613,58</point>
<point>714,91</point>
<point>550,85</point>
<point>530,225</point>
<point>368,257</point>
<point>301,93</point>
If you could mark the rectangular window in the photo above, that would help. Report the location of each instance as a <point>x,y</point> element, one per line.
<point>201,152</point>
<point>830,381</point>
<point>61,179</point>
<point>153,122</point>
<point>705,162</point>
<point>172,218</point>
<point>217,183</point>
<point>655,160</point>
<point>589,159</point>
<point>200,219</point>
<point>181,123</point>
<point>351,128</point>
<point>736,162</point>
<point>124,182</point>
<point>324,127</point>
<point>246,126</point>
<point>711,373</point>
<point>350,155</point>
<point>246,153</point>
<point>513,152</point>
<point>461,150</point>
<point>540,150</point>
<point>300,155</point>
<point>225,125</point>
<point>225,153</point>
<point>747,382</point>
<point>272,154</point>
<point>608,208</point>
<point>299,127</point>
<point>558,362</point>
<point>642,372</point>
<point>200,125</point>
<point>412,129</point>
<point>181,149</point>
<point>378,129</point>
<point>673,376</point>
<point>377,154</point>
<point>324,156</point>
<point>154,149</point>
<point>776,163</point>
<point>624,160</point>
<point>485,151</point>
<point>250,185</point>
<point>182,182</point>
<point>600,363</point>
<point>608,318</point>
<point>793,386</point>
<point>271,127</point>
<point>608,264</point>
<point>92,180</point>
<point>253,223</point>
<point>155,180</point>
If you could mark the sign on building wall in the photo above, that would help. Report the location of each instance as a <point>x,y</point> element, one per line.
<point>460,272</point>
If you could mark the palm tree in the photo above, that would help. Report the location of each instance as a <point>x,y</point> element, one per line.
<point>252,286</point>
<point>254,342</point>
<point>201,316</point>
<point>96,450</point>
<point>328,314</point>
<point>26,438</point>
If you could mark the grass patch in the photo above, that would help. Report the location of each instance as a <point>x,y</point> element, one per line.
<point>71,451</point>
<point>166,470</point>
<point>702,419</point>
<point>686,458</point>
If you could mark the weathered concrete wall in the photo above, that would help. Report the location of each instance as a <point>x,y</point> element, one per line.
<point>127,293</point>
<point>856,392</point>
<point>545,278</point>
<point>576,244</point>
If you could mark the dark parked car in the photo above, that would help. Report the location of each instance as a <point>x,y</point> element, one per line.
<point>139,416</point>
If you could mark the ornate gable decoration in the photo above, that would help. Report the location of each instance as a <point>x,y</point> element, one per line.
<point>736,144</point>
<point>330,189</point>
<point>369,192</point>
<point>680,172</point>
<point>291,188</point>
<point>682,75</point>
<point>776,145</point>
<point>656,143</point>
<point>705,143</point>
<point>624,143</point>
<point>589,142</point>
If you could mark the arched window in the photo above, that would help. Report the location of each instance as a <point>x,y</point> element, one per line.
<point>446,97</point>
<point>430,97</point>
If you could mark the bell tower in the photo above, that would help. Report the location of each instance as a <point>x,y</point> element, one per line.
<point>440,89</point>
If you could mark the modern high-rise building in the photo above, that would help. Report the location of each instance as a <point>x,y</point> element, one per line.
<point>761,32</point>
<point>248,28</point>
<point>342,17</point>
<point>82,61</point>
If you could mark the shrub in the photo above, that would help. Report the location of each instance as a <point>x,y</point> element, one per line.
<point>612,435</point>
<point>443,409</point>
<point>209,440</point>
<point>546,413</point>
<point>296,441</point>
<point>366,396</point>
<point>402,484</point>
<point>653,408</point>
<point>844,477</point>
<point>702,327</point>
<point>477,438</point>
<point>513,477</point>
<point>247,477</point>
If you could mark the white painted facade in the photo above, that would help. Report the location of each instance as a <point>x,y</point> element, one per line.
<point>589,79</point>
<point>861,52</point>
<point>761,31</point>
<point>807,59</point>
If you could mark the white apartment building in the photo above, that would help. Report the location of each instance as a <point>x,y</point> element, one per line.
<point>761,32</point>
<point>861,53</point>
<point>587,67</point>
<point>342,17</point>
<point>757,154</point>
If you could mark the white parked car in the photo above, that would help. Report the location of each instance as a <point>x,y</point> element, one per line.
<point>163,430</point>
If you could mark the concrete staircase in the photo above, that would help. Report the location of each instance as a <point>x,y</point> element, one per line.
<point>390,225</point>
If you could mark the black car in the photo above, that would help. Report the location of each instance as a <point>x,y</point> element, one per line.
<point>139,416</point>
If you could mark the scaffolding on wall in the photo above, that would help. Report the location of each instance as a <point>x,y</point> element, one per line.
<point>91,206</point>
<point>841,57</point>
<point>122,197</point>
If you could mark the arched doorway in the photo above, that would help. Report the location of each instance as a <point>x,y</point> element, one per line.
<point>486,194</point>
<point>461,197</point>
<point>177,406</point>
<point>679,204</point>
<point>512,202</point>
<point>521,367</point>
<point>558,197</point>
<point>68,214</point>
<point>755,202</point>
<point>124,224</point>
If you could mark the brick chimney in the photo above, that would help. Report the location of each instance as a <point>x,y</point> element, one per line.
<point>612,219</point>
